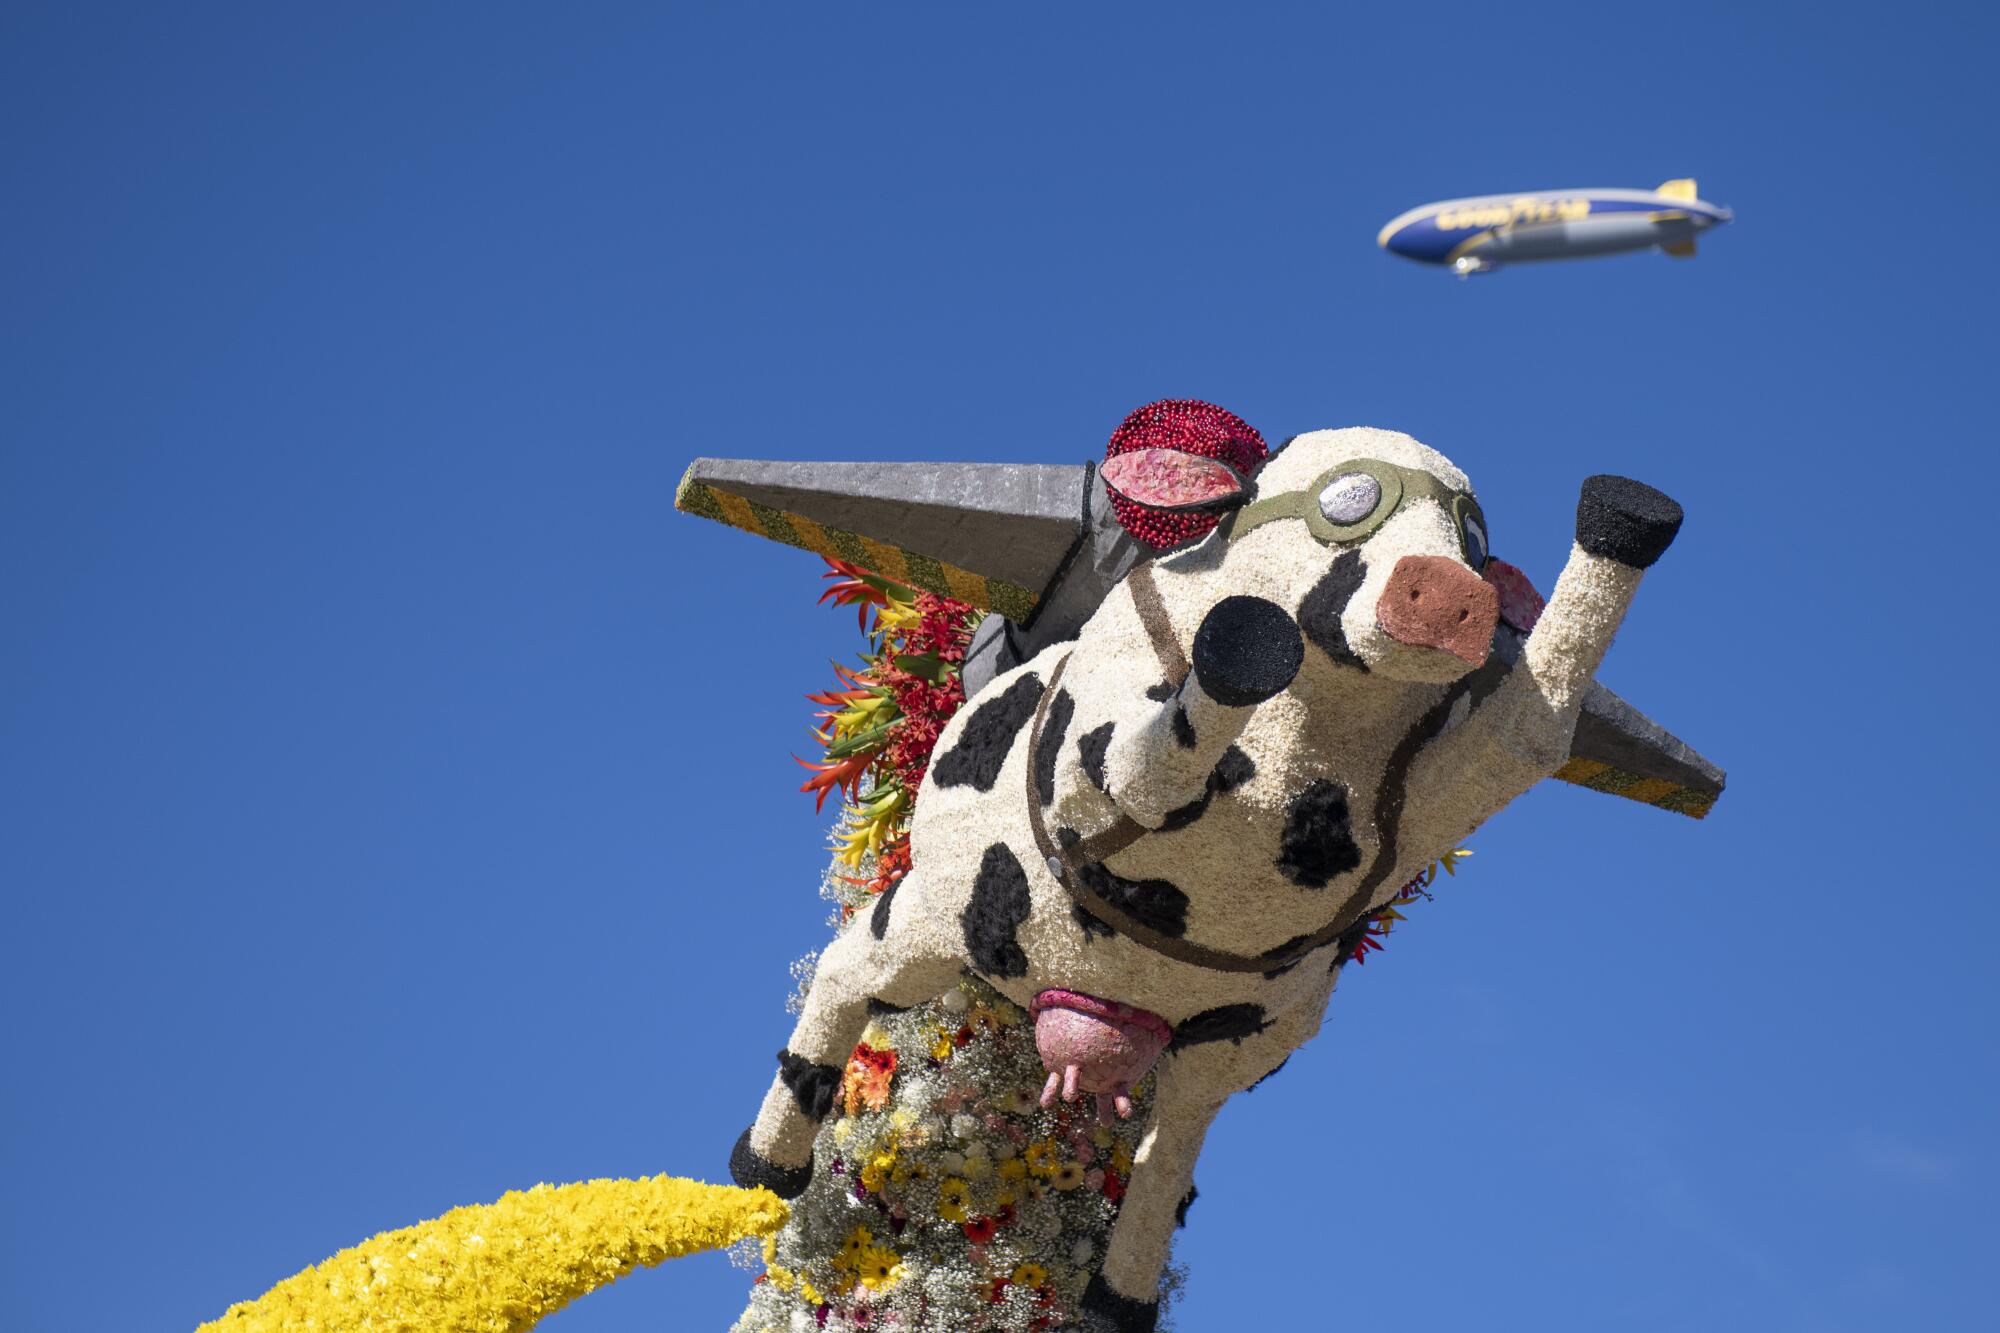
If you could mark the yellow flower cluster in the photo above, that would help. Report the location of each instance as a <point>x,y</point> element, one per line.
<point>869,823</point>
<point>983,1020</point>
<point>500,1267</point>
<point>865,1260</point>
<point>876,1171</point>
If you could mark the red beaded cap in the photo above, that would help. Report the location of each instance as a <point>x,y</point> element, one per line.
<point>1194,427</point>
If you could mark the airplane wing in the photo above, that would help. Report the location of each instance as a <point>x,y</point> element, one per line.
<point>992,535</point>
<point>1012,538</point>
<point>1620,751</point>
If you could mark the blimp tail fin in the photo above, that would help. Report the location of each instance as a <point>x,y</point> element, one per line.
<point>1680,189</point>
<point>1680,249</point>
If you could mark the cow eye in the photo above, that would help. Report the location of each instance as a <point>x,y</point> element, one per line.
<point>1475,542</point>
<point>1350,497</point>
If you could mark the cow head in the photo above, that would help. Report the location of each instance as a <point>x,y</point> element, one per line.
<point>1375,544</point>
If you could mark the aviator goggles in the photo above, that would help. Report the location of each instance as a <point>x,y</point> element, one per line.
<point>1349,502</point>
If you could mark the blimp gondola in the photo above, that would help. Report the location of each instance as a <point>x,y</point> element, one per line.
<point>1479,235</point>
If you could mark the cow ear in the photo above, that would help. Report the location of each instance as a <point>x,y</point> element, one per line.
<point>1172,480</point>
<point>1520,605</point>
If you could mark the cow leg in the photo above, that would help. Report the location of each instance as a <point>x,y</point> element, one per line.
<point>1622,527</point>
<point>877,958</point>
<point>1192,1085</point>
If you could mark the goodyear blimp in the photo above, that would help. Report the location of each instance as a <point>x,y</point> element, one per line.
<point>1479,235</point>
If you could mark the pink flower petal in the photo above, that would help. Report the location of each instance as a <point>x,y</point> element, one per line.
<point>1520,605</point>
<point>1170,479</point>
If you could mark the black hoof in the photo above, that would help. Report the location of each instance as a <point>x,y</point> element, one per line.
<point>1626,520</point>
<point>1105,1311</point>
<point>750,1169</point>
<point>1246,650</point>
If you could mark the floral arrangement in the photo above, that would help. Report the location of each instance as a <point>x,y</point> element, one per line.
<point>879,731</point>
<point>949,1197</point>
<point>502,1266</point>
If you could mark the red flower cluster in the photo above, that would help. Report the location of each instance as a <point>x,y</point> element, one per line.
<point>943,629</point>
<point>915,669</point>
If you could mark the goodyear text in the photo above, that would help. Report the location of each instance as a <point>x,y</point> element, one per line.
<point>1514,211</point>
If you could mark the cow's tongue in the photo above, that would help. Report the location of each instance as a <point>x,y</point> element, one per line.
<point>1096,1046</point>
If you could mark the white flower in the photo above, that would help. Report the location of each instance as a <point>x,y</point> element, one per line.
<point>964,1126</point>
<point>953,1162</point>
<point>954,1001</point>
<point>1082,1253</point>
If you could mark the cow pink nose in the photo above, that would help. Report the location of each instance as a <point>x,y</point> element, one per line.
<point>1433,601</point>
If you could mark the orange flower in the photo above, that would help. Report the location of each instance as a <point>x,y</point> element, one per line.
<point>865,1085</point>
<point>842,776</point>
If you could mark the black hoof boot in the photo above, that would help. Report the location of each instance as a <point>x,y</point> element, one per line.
<point>1626,520</point>
<point>1105,1311</point>
<point>751,1169</point>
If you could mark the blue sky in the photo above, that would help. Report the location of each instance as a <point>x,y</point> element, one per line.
<point>398,802</point>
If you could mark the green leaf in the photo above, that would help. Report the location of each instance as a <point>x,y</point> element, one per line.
<point>928,666</point>
<point>862,740</point>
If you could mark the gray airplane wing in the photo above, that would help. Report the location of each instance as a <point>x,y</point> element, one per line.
<point>992,535</point>
<point>1038,545</point>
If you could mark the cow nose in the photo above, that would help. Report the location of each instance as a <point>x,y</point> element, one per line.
<point>1433,601</point>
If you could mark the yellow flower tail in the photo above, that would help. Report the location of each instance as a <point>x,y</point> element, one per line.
<point>500,1267</point>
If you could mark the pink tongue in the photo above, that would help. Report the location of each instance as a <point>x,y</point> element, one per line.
<point>1096,1046</point>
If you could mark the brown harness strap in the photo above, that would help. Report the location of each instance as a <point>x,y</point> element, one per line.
<point>1153,615</point>
<point>1063,864</point>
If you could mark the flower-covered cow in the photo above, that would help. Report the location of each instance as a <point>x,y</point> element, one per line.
<point>1164,837</point>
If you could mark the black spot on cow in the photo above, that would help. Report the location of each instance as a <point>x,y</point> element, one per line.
<point>1161,691</point>
<point>1091,748</point>
<point>1320,612</point>
<point>1048,746</point>
<point>1318,841</point>
<point>1231,771</point>
<point>1150,902</point>
<point>998,906</point>
<point>878,919</point>
<point>1183,729</point>
<point>982,747</point>
<point>1156,903</point>
<point>1187,1202</point>
<point>1089,924</point>
<point>1231,1022</point>
<point>812,1085</point>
